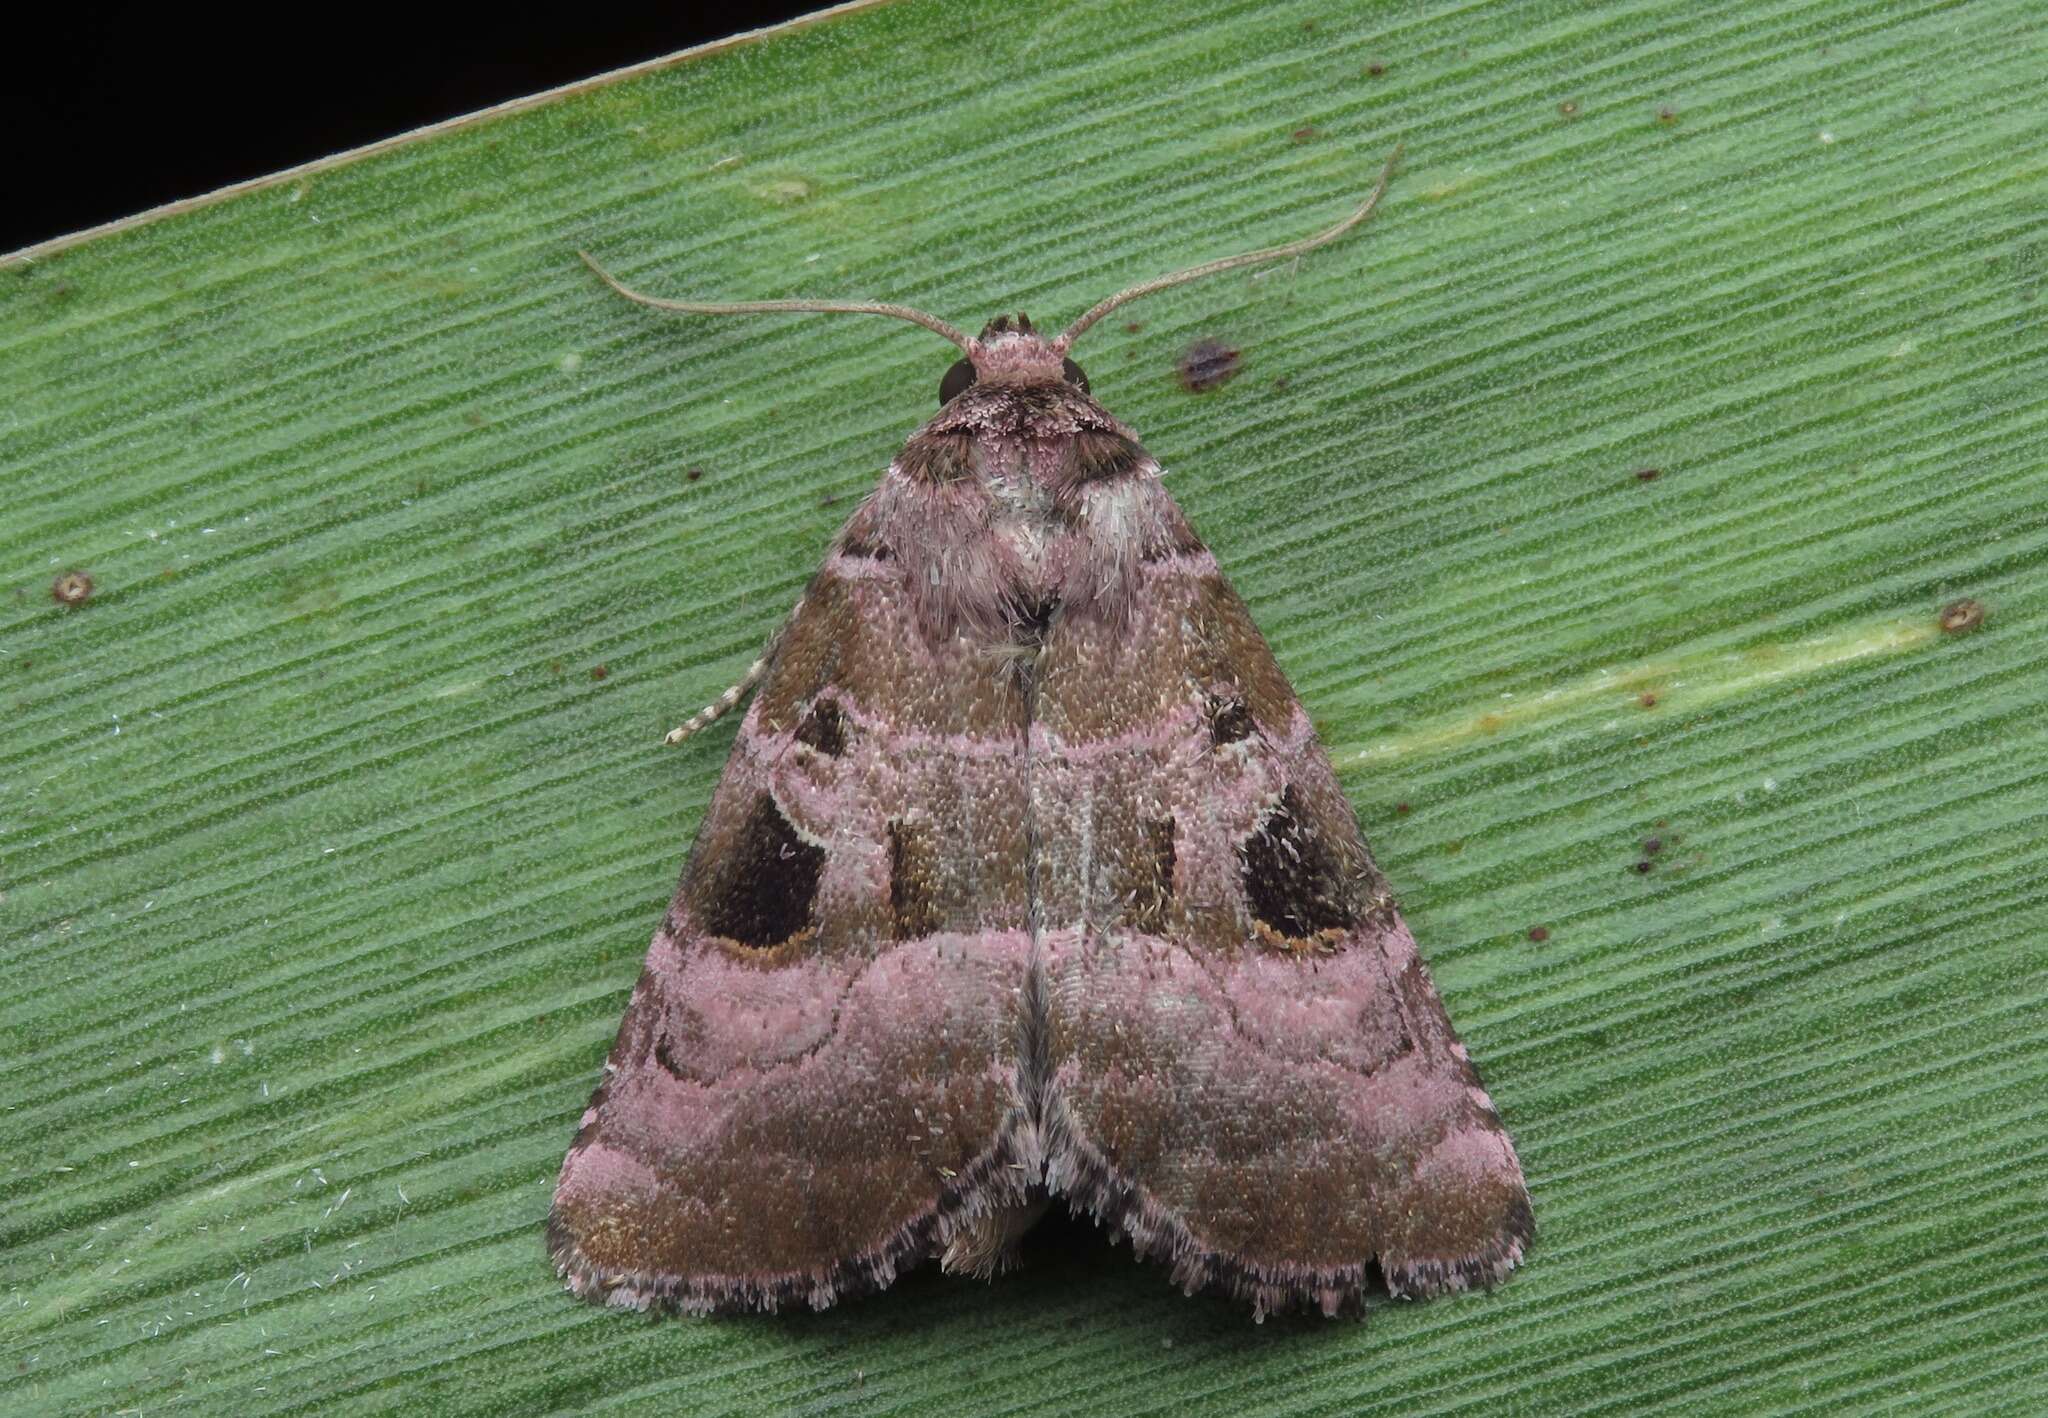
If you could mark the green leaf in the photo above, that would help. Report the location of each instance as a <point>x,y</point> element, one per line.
<point>336,820</point>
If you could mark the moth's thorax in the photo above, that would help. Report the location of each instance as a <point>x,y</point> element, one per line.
<point>1033,406</point>
<point>1021,501</point>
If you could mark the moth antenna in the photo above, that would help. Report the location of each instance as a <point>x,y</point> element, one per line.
<point>1227,263</point>
<point>781,307</point>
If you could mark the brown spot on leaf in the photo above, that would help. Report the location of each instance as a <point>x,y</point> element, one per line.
<point>1652,846</point>
<point>1539,934</point>
<point>73,588</point>
<point>1569,108</point>
<point>1207,363</point>
<point>1648,475</point>
<point>1647,700</point>
<point>693,474</point>
<point>1957,617</point>
<point>1375,70</point>
<point>598,672</point>
<point>1667,115</point>
<point>1304,133</point>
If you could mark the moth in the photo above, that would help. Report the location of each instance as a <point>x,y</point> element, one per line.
<point>1027,881</point>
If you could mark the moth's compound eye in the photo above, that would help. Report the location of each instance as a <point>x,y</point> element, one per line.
<point>956,381</point>
<point>1072,372</point>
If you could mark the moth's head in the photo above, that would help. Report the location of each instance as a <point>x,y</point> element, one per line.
<point>1011,352</point>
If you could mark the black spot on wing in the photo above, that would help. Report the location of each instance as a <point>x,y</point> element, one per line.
<point>1230,721</point>
<point>913,881</point>
<point>824,728</point>
<point>1293,881</point>
<point>667,1060</point>
<point>763,887</point>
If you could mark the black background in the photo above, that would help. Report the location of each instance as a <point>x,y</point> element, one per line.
<point>108,109</point>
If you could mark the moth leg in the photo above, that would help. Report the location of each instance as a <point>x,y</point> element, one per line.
<point>725,703</point>
<point>718,708</point>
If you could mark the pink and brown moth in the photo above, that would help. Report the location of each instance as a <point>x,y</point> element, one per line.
<point>1028,880</point>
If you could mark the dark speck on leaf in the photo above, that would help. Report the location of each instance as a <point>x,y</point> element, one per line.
<point>1648,475</point>
<point>1206,364</point>
<point>1375,70</point>
<point>1962,617</point>
<point>599,672</point>
<point>694,474</point>
<point>73,588</point>
<point>1539,934</point>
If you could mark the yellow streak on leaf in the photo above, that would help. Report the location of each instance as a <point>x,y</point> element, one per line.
<point>1684,683</point>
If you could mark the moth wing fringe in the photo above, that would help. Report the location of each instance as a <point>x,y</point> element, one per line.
<point>1080,1175</point>
<point>985,1187</point>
